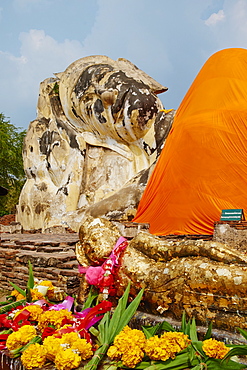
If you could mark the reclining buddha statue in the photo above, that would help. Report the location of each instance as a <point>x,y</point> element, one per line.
<point>99,124</point>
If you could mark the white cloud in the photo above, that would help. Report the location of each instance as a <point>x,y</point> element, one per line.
<point>167,39</point>
<point>40,57</point>
<point>215,18</point>
<point>232,32</point>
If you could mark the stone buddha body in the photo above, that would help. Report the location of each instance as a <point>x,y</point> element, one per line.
<point>99,124</point>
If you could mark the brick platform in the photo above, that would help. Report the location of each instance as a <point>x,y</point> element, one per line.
<point>52,256</point>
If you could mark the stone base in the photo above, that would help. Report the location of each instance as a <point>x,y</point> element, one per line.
<point>232,233</point>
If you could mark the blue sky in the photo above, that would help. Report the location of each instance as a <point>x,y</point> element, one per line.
<point>168,39</point>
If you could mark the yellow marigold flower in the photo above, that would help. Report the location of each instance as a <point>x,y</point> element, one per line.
<point>154,350</point>
<point>82,347</point>
<point>35,312</point>
<point>13,341</point>
<point>17,295</point>
<point>167,346</point>
<point>67,360</point>
<point>54,318</point>
<point>129,337</point>
<point>36,295</point>
<point>27,332</point>
<point>127,346</point>
<point>177,339</point>
<point>47,283</point>
<point>69,338</point>
<point>20,337</point>
<point>34,356</point>
<point>214,348</point>
<point>52,346</point>
<point>132,357</point>
<point>114,353</point>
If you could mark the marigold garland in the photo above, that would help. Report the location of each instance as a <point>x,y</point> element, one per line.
<point>55,318</point>
<point>52,346</point>
<point>35,312</point>
<point>21,337</point>
<point>34,356</point>
<point>214,348</point>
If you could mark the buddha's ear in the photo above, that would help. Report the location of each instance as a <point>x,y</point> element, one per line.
<point>133,71</point>
<point>108,98</point>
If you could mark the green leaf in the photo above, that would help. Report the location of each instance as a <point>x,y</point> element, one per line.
<point>90,298</point>
<point>193,331</point>
<point>97,357</point>
<point>12,305</point>
<point>150,331</point>
<point>242,332</point>
<point>7,331</point>
<point>129,312</point>
<point>237,350</point>
<point>103,328</point>
<point>17,352</point>
<point>19,290</point>
<point>117,314</point>
<point>94,331</point>
<point>28,295</point>
<point>167,327</point>
<point>185,326</point>
<point>215,364</point>
<point>30,283</point>
<point>209,331</point>
<point>4,303</point>
<point>180,362</point>
<point>198,348</point>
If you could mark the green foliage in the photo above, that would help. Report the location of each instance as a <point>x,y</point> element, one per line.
<point>30,283</point>
<point>92,295</point>
<point>109,327</point>
<point>12,174</point>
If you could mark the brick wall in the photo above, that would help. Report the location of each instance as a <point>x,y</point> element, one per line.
<point>52,256</point>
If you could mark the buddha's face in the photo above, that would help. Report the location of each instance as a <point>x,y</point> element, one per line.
<point>111,103</point>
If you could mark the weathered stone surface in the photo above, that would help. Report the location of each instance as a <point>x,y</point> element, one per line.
<point>99,124</point>
<point>206,279</point>
<point>233,233</point>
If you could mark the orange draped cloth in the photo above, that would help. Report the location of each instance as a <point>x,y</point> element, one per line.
<point>203,166</point>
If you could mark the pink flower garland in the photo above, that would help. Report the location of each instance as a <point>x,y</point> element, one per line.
<point>103,276</point>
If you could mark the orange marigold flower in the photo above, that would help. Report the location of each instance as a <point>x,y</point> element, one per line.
<point>214,348</point>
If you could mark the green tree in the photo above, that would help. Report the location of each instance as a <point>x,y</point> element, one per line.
<point>12,174</point>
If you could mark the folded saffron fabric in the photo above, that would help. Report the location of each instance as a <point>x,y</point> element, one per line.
<point>203,166</point>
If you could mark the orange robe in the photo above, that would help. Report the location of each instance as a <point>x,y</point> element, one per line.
<point>203,166</point>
